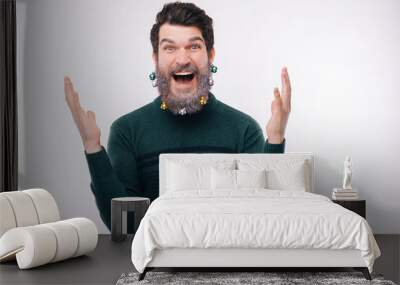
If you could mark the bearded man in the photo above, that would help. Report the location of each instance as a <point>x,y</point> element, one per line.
<point>185,118</point>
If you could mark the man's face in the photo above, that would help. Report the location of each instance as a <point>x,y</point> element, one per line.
<point>182,67</point>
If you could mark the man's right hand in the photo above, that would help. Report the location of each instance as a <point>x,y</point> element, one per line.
<point>84,120</point>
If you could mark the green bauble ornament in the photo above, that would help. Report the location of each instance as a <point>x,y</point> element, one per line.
<point>152,76</point>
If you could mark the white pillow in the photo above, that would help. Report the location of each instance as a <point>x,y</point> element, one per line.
<point>181,178</point>
<point>293,178</point>
<point>226,179</point>
<point>223,179</point>
<point>281,174</point>
<point>251,178</point>
<point>189,175</point>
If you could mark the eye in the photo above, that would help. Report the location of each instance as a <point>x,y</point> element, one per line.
<point>195,46</point>
<point>169,48</point>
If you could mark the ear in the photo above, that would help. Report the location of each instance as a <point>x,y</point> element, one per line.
<point>154,58</point>
<point>211,55</point>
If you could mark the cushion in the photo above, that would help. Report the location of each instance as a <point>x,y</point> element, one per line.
<point>7,220</point>
<point>251,178</point>
<point>228,179</point>
<point>46,243</point>
<point>45,205</point>
<point>223,179</point>
<point>184,174</point>
<point>292,175</point>
<point>290,178</point>
<point>23,208</point>
<point>27,208</point>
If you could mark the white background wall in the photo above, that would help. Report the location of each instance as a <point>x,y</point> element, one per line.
<point>342,56</point>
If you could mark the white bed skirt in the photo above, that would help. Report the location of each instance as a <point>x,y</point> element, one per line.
<point>236,257</point>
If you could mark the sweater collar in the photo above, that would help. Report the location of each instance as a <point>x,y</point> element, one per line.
<point>211,103</point>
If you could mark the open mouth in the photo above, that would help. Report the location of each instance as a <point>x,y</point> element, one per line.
<point>183,77</point>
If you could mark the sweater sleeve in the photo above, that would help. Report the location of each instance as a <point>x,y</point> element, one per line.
<point>113,173</point>
<point>254,141</point>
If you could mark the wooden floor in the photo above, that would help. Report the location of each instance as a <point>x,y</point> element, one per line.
<point>111,259</point>
<point>389,262</point>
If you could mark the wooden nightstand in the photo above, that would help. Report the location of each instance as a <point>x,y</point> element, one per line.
<point>357,206</point>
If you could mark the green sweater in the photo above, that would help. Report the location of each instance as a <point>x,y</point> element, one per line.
<point>130,165</point>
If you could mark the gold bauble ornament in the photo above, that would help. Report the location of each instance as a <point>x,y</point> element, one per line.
<point>203,100</point>
<point>163,106</point>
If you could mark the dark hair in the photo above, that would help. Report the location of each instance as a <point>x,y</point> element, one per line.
<point>185,14</point>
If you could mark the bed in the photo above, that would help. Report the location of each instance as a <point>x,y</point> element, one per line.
<point>247,211</point>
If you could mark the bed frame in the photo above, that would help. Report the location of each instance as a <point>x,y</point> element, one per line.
<point>248,259</point>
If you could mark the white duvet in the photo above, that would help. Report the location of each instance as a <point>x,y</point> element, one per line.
<point>252,218</point>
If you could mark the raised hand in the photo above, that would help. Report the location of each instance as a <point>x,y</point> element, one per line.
<point>84,120</point>
<point>280,109</point>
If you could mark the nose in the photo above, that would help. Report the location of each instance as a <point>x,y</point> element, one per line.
<point>182,57</point>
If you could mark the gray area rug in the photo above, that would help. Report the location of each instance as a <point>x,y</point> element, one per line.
<point>270,278</point>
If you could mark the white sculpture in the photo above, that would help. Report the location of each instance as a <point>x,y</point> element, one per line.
<point>347,173</point>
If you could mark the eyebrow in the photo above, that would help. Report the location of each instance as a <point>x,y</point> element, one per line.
<point>192,39</point>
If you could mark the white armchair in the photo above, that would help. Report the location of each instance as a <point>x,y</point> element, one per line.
<point>32,233</point>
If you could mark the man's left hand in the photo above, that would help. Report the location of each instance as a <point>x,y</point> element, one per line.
<point>280,109</point>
